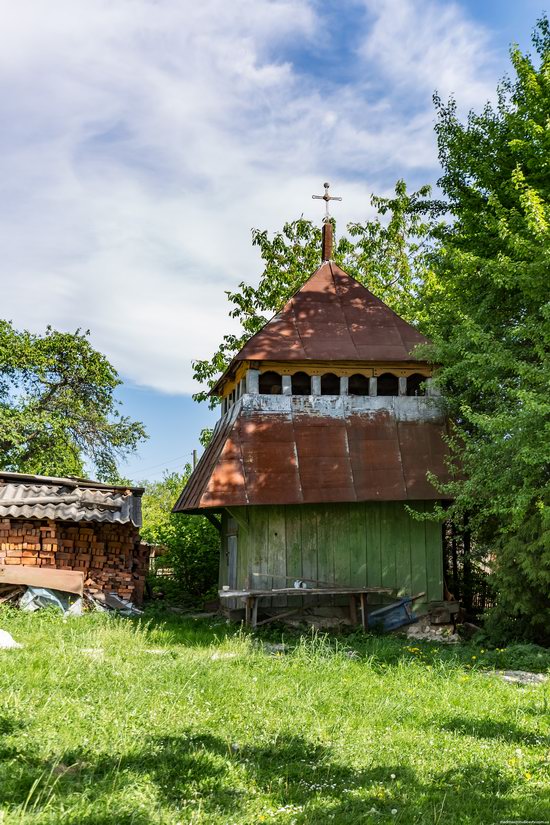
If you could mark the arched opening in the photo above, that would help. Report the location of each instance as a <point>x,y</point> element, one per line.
<point>270,383</point>
<point>301,384</point>
<point>387,384</point>
<point>330,384</point>
<point>358,385</point>
<point>416,384</point>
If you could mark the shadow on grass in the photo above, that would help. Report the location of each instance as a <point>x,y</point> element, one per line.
<point>184,630</point>
<point>382,650</point>
<point>9,724</point>
<point>492,729</point>
<point>204,771</point>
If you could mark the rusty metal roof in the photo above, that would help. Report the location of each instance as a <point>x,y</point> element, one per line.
<point>333,317</point>
<point>67,499</point>
<point>325,449</point>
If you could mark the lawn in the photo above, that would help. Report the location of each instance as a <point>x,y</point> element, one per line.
<point>107,720</point>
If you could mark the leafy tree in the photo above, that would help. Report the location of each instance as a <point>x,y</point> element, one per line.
<point>386,254</point>
<point>488,313</point>
<point>57,406</point>
<point>192,542</point>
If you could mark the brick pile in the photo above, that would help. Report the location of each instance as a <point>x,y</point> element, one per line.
<point>110,555</point>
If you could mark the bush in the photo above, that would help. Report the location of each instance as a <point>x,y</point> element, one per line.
<point>192,543</point>
<point>522,580</point>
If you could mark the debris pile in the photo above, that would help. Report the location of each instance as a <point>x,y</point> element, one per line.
<point>31,588</point>
<point>110,602</point>
<point>425,631</point>
<point>11,593</point>
<point>34,598</point>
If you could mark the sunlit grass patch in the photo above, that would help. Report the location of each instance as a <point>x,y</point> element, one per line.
<point>107,720</point>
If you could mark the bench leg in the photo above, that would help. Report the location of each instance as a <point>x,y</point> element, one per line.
<point>248,609</point>
<point>364,619</point>
<point>255,611</point>
<point>352,609</point>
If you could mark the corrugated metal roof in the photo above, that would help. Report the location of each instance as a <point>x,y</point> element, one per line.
<point>294,450</point>
<point>333,317</point>
<point>67,499</point>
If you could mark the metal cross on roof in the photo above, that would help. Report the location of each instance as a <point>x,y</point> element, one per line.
<point>326,198</point>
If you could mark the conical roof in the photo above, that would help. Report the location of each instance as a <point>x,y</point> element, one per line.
<point>333,317</point>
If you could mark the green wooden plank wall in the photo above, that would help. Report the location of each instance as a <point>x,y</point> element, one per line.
<point>377,544</point>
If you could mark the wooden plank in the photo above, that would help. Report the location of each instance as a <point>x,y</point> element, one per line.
<point>68,581</point>
<point>293,528</point>
<point>374,555</point>
<point>309,542</point>
<point>277,548</point>
<point>294,591</point>
<point>402,539</point>
<point>293,531</point>
<point>357,544</point>
<point>417,539</point>
<point>387,558</point>
<point>340,538</point>
<point>325,543</point>
<point>395,543</point>
<point>244,540</point>
<point>434,561</point>
<point>240,514</point>
<point>325,552</point>
<point>278,616</point>
<point>232,561</point>
<point>222,577</point>
<point>259,548</point>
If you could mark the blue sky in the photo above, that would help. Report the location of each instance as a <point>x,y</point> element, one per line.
<point>142,140</point>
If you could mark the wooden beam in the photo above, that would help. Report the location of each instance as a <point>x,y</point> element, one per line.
<point>213,520</point>
<point>278,616</point>
<point>69,581</point>
<point>238,518</point>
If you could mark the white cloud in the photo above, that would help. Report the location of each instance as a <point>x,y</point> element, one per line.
<point>143,139</point>
<point>420,45</point>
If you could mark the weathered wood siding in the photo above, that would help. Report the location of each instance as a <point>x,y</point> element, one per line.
<point>375,544</point>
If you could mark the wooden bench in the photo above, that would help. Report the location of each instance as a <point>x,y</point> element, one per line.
<point>357,597</point>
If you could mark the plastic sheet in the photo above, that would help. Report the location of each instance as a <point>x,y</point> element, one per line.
<point>35,598</point>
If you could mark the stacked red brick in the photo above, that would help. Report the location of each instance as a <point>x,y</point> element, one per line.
<point>109,553</point>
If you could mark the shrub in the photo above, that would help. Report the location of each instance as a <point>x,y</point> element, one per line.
<point>192,543</point>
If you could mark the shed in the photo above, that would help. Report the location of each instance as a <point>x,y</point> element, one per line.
<point>74,524</point>
<point>330,426</point>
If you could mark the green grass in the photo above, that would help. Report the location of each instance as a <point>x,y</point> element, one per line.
<point>107,720</point>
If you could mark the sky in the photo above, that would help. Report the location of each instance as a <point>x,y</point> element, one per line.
<point>142,140</point>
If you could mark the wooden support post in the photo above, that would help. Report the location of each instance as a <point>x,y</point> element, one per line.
<point>247,609</point>
<point>352,609</point>
<point>213,520</point>
<point>241,520</point>
<point>255,611</point>
<point>364,620</point>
